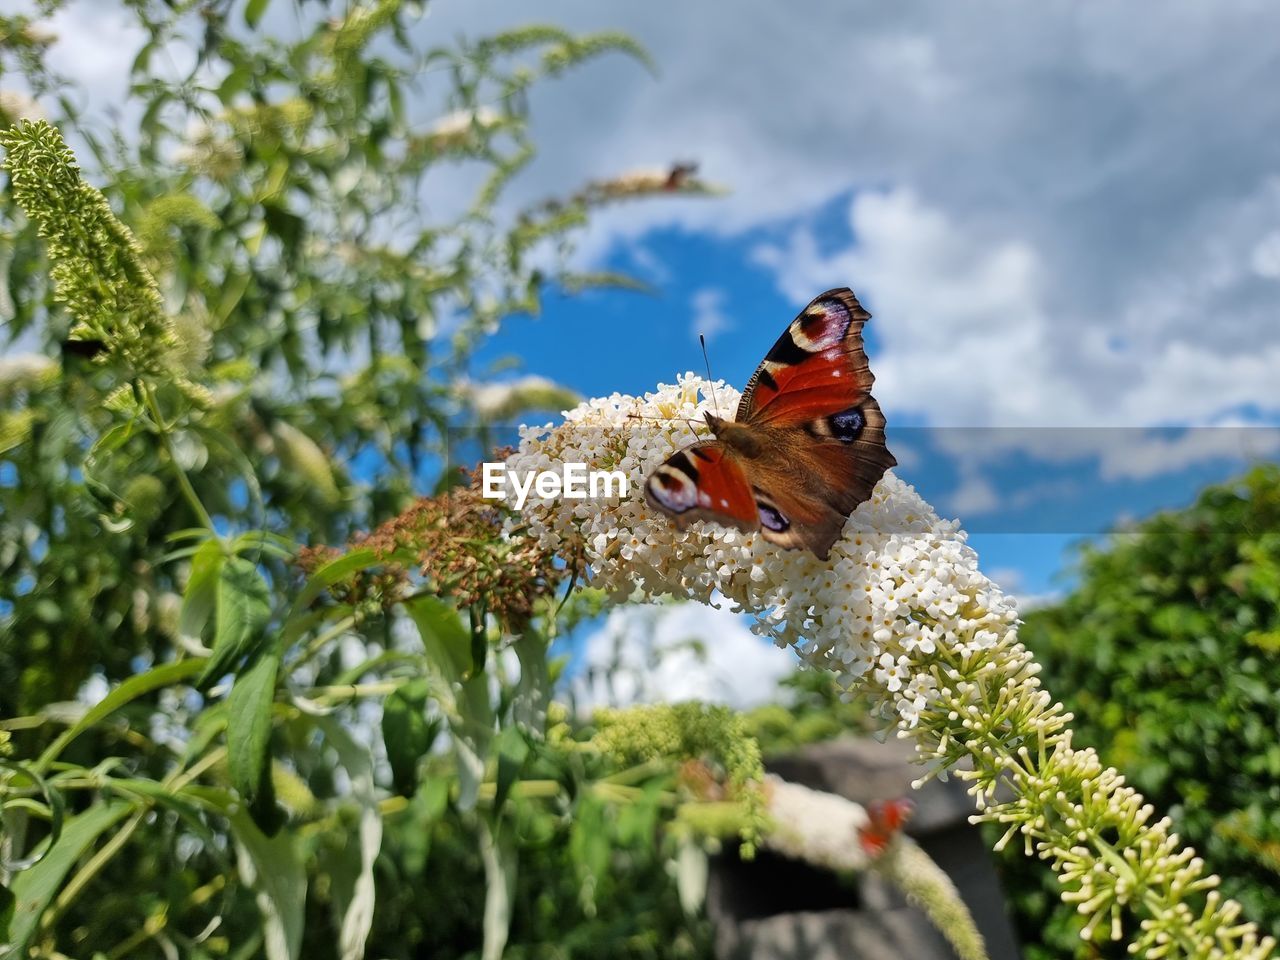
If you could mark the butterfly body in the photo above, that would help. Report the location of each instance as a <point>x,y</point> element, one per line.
<point>741,439</point>
<point>805,448</point>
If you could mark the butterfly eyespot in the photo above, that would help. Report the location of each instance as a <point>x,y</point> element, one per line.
<point>674,486</point>
<point>847,424</point>
<point>771,518</point>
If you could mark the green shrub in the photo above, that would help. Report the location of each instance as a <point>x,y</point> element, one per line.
<point>1167,654</point>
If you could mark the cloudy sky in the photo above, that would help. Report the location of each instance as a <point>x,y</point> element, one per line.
<point>1065,217</point>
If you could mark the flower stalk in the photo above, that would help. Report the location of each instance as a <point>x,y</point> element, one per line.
<point>96,265</point>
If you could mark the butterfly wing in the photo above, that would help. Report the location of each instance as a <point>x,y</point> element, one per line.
<point>811,397</point>
<point>813,476</point>
<point>704,481</point>
<point>817,368</point>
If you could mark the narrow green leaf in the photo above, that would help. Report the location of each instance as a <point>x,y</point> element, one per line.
<point>513,750</point>
<point>7,901</point>
<point>244,607</point>
<point>326,576</point>
<point>249,740</point>
<point>273,869</point>
<point>256,540</point>
<point>237,283</point>
<point>112,440</point>
<point>407,733</point>
<point>472,735</point>
<point>34,889</point>
<point>200,597</point>
<point>143,60</point>
<point>357,917</point>
<point>55,805</point>
<point>162,676</point>
<point>207,725</point>
<point>445,639</point>
<point>498,854</point>
<point>253,12</point>
<point>533,691</point>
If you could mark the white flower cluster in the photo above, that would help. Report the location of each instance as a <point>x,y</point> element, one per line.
<point>898,585</point>
<point>815,827</point>
<point>901,610</point>
<point>822,829</point>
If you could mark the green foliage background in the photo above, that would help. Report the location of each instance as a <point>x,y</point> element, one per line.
<point>238,298</point>
<point>1166,653</point>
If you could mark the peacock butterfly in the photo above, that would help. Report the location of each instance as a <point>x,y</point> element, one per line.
<point>884,822</point>
<point>807,444</point>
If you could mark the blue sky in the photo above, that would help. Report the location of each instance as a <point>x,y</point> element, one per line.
<point>1064,216</point>
<point>1027,493</point>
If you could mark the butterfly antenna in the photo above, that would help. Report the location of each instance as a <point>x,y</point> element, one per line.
<point>705,359</point>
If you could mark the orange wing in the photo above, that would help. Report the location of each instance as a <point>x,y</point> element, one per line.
<point>703,481</point>
<point>817,368</point>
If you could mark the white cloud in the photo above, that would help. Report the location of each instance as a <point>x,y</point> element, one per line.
<point>1157,452</point>
<point>1265,259</point>
<point>650,267</point>
<point>1049,232</point>
<point>975,494</point>
<point>671,653</point>
<point>964,336</point>
<point>1009,578</point>
<point>709,318</point>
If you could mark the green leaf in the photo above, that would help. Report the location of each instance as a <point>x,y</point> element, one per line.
<point>56,809</point>
<point>513,750</point>
<point>447,641</point>
<point>326,576</point>
<point>472,734</point>
<point>7,901</point>
<point>407,733</point>
<point>498,854</point>
<point>34,889</point>
<point>253,12</point>
<point>533,690</point>
<point>249,740</point>
<point>357,917</point>
<point>200,597</point>
<point>274,870</point>
<point>162,676</point>
<point>244,607</point>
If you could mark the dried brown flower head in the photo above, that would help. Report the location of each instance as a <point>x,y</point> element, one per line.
<point>462,547</point>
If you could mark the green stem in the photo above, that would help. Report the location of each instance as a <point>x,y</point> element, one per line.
<point>318,644</point>
<point>94,866</point>
<point>175,781</point>
<point>350,691</point>
<point>184,482</point>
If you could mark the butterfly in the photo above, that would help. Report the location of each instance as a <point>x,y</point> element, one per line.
<point>884,821</point>
<point>805,448</point>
